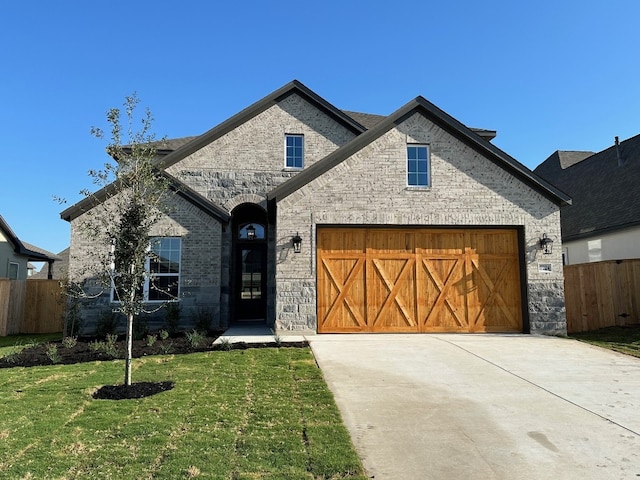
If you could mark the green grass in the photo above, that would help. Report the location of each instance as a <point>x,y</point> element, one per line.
<point>620,339</point>
<point>242,414</point>
<point>18,342</point>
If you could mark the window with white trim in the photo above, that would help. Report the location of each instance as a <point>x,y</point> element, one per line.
<point>294,151</point>
<point>418,166</point>
<point>163,263</point>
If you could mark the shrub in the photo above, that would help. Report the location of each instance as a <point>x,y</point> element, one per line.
<point>69,342</point>
<point>226,344</point>
<point>14,354</point>
<point>151,339</point>
<point>109,347</point>
<point>195,338</point>
<point>166,348</point>
<point>107,324</point>
<point>73,321</point>
<point>140,328</point>
<point>202,320</point>
<point>173,317</point>
<point>52,353</point>
<point>163,334</point>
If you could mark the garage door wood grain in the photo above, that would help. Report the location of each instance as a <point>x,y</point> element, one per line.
<point>418,280</point>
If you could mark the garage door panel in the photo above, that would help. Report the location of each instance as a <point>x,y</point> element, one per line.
<point>494,302</point>
<point>441,294</point>
<point>342,294</point>
<point>390,294</point>
<point>439,242</point>
<point>418,280</point>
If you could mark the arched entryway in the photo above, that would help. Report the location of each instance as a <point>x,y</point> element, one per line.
<point>249,224</point>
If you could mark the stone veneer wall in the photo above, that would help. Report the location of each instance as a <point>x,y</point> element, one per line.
<point>201,257</point>
<point>248,162</point>
<point>369,188</point>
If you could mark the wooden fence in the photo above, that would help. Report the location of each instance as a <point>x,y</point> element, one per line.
<point>602,294</point>
<point>30,306</point>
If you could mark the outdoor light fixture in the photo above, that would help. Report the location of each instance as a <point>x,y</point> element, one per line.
<point>546,244</point>
<point>251,232</point>
<point>297,243</point>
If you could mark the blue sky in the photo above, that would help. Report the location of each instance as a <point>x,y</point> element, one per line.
<point>547,75</point>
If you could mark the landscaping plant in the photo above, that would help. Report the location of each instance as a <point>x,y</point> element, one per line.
<point>120,217</point>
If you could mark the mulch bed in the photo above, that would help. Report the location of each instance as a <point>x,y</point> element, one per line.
<point>135,390</point>
<point>39,355</point>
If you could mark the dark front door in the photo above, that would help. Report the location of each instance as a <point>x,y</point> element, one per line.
<point>251,267</point>
<point>249,271</point>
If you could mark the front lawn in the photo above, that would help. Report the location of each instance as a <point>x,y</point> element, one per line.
<point>243,414</point>
<point>12,340</point>
<point>620,339</point>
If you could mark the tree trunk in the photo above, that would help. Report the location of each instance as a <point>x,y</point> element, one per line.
<point>127,361</point>
<point>130,315</point>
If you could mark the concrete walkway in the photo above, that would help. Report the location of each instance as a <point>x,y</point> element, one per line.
<point>485,406</point>
<point>256,333</point>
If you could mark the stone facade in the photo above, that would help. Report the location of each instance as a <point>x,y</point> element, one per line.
<point>200,275</point>
<point>369,188</point>
<point>245,163</point>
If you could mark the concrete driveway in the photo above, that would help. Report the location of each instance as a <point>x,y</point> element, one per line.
<point>485,406</point>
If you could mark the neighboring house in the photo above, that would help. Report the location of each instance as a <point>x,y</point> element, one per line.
<point>15,255</point>
<point>60,267</point>
<point>306,217</point>
<point>603,223</point>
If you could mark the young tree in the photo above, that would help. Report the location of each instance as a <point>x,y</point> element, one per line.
<point>130,202</point>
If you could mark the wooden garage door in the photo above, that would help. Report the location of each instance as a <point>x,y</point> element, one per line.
<point>418,280</point>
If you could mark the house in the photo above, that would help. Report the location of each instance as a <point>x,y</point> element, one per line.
<point>15,255</point>
<point>60,267</point>
<point>298,214</point>
<point>603,223</point>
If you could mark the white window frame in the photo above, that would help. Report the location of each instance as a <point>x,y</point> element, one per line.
<point>149,276</point>
<point>286,157</point>
<point>428,160</point>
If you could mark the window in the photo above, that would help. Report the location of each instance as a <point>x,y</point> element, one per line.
<point>13,270</point>
<point>417,166</point>
<point>244,232</point>
<point>163,267</point>
<point>294,151</point>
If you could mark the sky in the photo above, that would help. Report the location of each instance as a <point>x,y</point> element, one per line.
<point>546,75</point>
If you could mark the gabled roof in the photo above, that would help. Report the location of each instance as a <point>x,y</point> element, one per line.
<point>294,87</point>
<point>604,188</point>
<point>176,185</point>
<point>33,253</point>
<point>442,119</point>
<point>370,120</point>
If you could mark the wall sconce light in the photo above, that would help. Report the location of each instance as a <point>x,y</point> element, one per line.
<point>546,244</point>
<point>251,232</point>
<point>296,241</point>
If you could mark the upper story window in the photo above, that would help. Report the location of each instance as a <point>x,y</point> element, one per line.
<point>417,165</point>
<point>294,151</point>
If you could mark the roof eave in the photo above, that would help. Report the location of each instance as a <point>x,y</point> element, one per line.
<point>445,121</point>
<point>253,110</point>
